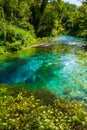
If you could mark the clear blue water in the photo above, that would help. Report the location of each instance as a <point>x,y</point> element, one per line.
<point>62,69</point>
<point>70,40</point>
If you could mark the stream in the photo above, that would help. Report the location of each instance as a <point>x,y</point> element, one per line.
<point>60,68</point>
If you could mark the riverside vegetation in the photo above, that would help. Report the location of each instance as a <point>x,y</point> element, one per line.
<point>22,24</point>
<point>23,109</point>
<point>21,21</point>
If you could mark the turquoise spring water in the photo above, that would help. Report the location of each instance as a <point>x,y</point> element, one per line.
<point>61,68</point>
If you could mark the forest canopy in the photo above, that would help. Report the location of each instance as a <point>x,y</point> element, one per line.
<point>21,21</point>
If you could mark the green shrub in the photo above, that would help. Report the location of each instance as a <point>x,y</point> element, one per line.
<point>14,38</point>
<point>10,35</point>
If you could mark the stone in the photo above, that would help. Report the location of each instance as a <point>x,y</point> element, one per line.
<point>84,47</point>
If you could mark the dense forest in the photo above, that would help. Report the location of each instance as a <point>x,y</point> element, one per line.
<point>22,21</point>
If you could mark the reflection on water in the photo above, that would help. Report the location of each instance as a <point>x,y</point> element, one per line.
<point>63,70</point>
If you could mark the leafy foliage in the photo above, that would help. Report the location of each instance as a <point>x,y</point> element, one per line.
<point>14,38</point>
<point>22,20</point>
<point>20,109</point>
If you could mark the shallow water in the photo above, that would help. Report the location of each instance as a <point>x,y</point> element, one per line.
<point>62,69</point>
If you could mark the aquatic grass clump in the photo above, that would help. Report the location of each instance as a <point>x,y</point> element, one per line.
<point>20,109</point>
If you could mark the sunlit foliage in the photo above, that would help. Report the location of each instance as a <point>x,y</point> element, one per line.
<point>21,109</point>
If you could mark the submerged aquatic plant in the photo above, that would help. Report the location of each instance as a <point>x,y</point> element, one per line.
<point>21,109</point>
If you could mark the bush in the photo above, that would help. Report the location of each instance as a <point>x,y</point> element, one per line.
<point>10,35</point>
<point>15,38</point>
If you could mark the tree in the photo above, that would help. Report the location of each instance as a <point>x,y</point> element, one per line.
<point>9,8</point>
<point>23,11</point>
<point>83,21</point>
<point>69,18</point>
<point>49,23</point>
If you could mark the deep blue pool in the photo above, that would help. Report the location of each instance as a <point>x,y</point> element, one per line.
<point>62,69</point>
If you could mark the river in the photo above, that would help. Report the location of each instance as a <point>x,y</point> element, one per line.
<point>60,67</point>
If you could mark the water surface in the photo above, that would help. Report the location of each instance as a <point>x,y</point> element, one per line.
<point>61,68</point>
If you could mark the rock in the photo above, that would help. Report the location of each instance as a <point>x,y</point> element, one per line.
<point>67,91</point>
<point>42,45</point>
<point>84,47</point>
